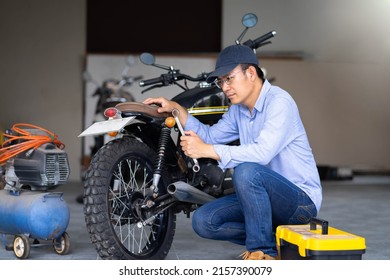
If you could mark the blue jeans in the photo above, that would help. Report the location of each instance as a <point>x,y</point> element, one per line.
<point>263,199</point>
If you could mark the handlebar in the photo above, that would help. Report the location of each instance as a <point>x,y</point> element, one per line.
<point>173,76</point>
<point>257,43</point>
<point>153,81</point>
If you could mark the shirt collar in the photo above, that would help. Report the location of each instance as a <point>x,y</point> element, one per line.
<point>260,100</point>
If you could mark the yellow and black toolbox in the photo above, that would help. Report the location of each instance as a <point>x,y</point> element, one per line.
<point>297,242</point>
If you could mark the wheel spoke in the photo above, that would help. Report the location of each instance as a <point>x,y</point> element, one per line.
<point>130,176</point>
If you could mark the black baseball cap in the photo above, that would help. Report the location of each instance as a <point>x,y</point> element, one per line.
<point>229,58</point>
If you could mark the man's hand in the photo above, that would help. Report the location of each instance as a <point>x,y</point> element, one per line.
<point>168,106</point>
<point>165,104</point>
<point>194,147</point>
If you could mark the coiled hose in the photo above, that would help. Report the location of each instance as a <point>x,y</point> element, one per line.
<point>23,141</point>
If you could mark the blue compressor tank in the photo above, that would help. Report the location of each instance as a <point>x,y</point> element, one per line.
<point>40,215</point>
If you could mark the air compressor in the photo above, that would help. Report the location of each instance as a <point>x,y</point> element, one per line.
<point>33,163</point>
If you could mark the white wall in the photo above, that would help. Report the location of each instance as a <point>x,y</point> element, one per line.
<point>350,31</point>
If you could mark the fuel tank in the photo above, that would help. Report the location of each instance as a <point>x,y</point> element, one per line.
<point>40,215</point>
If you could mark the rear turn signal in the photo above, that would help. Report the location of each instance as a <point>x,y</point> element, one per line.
<point>170,122</point>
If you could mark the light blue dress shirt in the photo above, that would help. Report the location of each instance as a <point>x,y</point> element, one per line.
<point>273,136</point>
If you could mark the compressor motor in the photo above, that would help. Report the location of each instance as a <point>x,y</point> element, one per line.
<point>41,169</point>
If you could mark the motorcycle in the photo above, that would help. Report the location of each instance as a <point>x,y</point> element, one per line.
<point>138,183</point>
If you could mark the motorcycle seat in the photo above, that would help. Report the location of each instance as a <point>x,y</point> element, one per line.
<point>150,110</point>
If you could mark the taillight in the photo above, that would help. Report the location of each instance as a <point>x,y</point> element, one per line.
<point>111,112</point>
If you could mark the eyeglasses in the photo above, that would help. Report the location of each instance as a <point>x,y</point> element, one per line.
<point>228,80</point>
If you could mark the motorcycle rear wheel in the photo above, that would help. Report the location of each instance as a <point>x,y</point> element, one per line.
<point>116,182</point>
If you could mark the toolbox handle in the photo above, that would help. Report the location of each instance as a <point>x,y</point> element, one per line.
<point>316,221</point>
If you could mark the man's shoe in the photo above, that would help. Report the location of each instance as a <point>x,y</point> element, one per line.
<point>257,255</point>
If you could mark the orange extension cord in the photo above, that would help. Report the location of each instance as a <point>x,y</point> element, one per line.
<point>29,141</point>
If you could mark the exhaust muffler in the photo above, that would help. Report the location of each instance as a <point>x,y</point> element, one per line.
<point>187,193</point>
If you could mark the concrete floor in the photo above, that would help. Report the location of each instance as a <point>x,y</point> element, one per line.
<point>359,206</point>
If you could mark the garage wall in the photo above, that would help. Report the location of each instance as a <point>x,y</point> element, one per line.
<point>42,46</point>
<point>342,83</point>
<point>343,107</point>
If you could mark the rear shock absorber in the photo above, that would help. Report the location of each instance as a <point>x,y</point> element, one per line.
<point>160,158</point>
